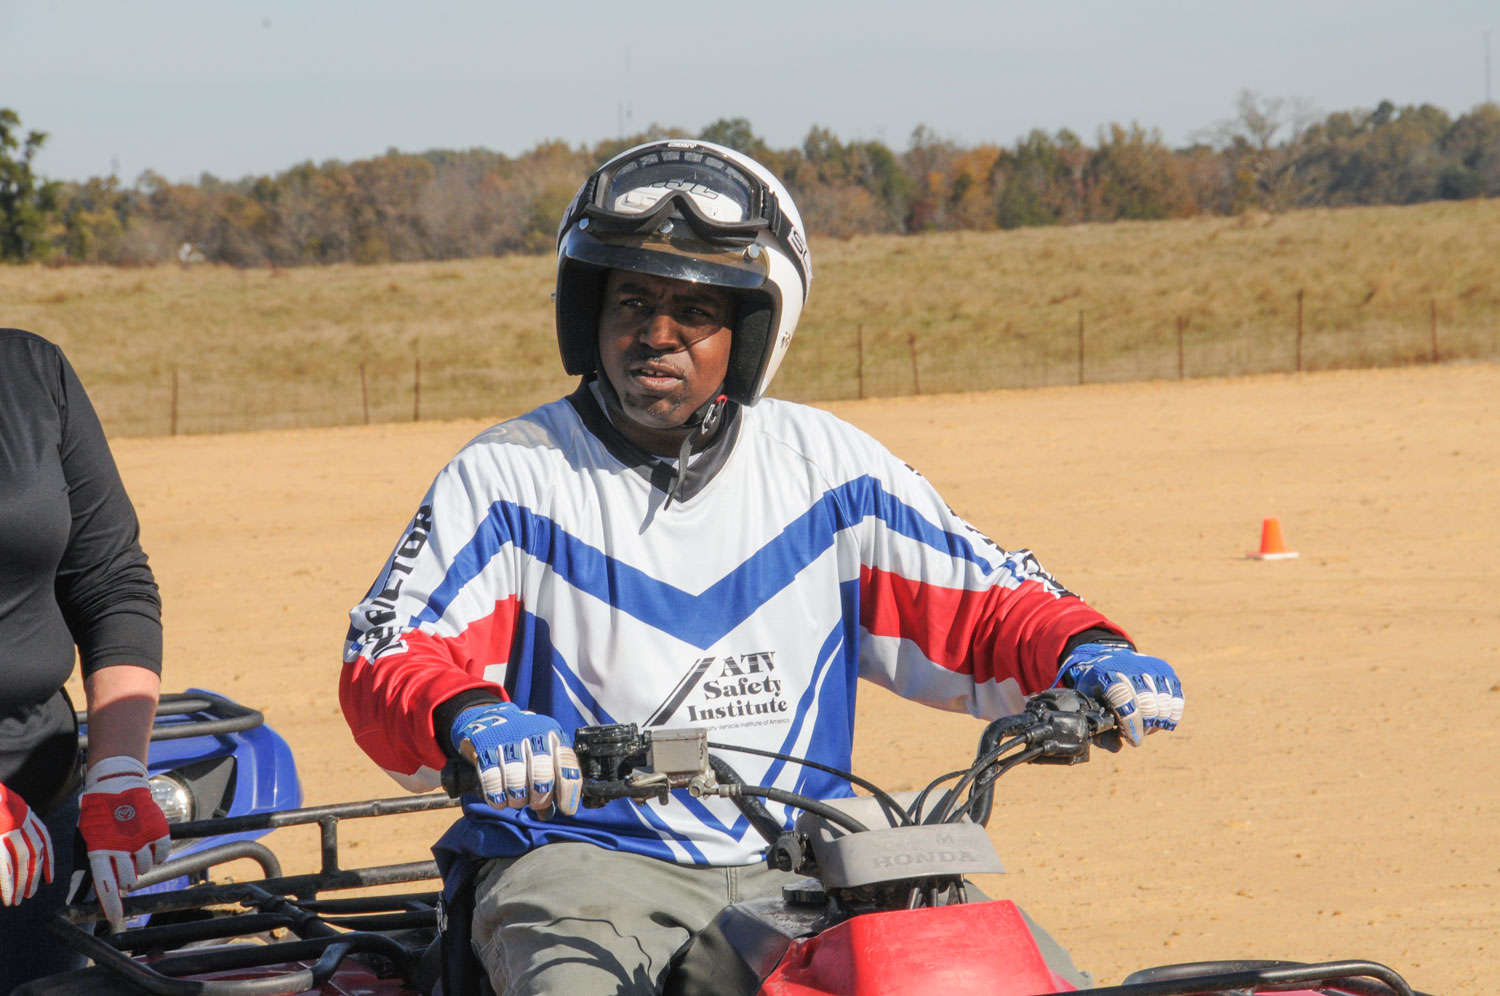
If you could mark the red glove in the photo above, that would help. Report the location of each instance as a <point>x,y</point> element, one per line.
<point>25,850</point>
<point>123,827</point>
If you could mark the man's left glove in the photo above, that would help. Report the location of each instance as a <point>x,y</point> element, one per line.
<point>123,829</point>
<point>1143,692</point>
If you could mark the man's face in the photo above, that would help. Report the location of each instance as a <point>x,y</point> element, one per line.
<point>664,345</point>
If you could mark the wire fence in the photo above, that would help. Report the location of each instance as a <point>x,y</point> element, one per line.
<point>852,360</point>
<point>874,360</point>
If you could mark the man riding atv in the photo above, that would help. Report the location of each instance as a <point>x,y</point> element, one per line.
<point>665,546</point>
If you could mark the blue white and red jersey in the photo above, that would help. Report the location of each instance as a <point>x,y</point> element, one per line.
<point>547,566</point>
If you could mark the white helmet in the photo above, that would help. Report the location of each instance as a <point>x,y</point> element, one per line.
<point>694,211</point>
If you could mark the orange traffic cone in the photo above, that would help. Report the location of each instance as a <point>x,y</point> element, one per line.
<point>1272,547</point>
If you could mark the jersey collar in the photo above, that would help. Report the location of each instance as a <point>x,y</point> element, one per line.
<point>660,474</point>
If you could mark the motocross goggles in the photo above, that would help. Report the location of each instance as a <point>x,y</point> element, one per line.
<point>685,195</point>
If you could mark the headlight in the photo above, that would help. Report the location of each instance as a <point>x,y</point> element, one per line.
<point>173,797</point>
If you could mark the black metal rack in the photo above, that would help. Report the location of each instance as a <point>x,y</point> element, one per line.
<point>226,717</point>
<point>388,935</point>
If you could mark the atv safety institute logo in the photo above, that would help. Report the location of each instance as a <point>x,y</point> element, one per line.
<point>730,691</point>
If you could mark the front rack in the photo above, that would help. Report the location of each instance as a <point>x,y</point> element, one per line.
<point>389,934</point>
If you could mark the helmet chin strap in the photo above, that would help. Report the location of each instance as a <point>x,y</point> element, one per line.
<point>704,423</point>
<point>700,425</point>
<point>707,416</point>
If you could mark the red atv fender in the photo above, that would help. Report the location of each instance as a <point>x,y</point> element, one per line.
<point>970,948</point>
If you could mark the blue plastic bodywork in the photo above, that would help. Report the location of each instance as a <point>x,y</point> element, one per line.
<point>265,773</point>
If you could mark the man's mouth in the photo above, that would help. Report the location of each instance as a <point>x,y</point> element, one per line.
<point>654,376</point>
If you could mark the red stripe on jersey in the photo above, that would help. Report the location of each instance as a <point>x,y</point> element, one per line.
<point>388,703</point>
<point>487,641</point>
<point>991,634</point>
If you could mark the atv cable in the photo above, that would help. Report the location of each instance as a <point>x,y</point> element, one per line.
<point>805,803</point>
<point>979,799</point>
<point>914,812</point>
<point>755,811</point>
<point>892,808</point>
<point>980,767</point>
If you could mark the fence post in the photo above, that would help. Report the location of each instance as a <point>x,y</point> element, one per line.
<point>174,402</point>
<point>364,392</point>
<point>1432,312</point>
<point>916,385</point>
<point>859,345</point>
<point>1080,345</point>
<point>1299,330</point>
<point>1179,347</point>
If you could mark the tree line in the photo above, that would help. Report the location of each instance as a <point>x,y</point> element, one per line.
<point>1272,155</point>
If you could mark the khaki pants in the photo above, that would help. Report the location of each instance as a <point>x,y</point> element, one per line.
<point>579,920</point>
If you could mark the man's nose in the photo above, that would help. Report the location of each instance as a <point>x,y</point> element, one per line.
<point>662,331</point>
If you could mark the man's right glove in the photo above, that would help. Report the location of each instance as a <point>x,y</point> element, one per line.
<point>1143,692</point>
<point>25,850</point>
<point>522,758</point>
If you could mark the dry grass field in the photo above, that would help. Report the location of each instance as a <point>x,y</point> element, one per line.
<point>1332,792</point>
<point>284,348</point>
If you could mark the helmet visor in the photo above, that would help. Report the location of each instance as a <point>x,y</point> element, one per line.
<point>665,254</point>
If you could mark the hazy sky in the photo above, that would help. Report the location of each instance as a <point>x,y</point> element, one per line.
<point>234,87</point>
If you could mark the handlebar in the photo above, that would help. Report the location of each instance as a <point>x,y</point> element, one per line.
<point>1058,726</point>
<point>460,778</point>
<point>621,761</point>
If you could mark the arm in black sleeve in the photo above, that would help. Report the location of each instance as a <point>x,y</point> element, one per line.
<point>448,710</point>
<point>1091,636</point>
<point>104,585</point>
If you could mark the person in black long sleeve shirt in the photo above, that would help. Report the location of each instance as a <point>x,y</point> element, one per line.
<point>72,575</point>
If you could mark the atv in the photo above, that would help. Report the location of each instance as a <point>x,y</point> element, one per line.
<point>885,908</point>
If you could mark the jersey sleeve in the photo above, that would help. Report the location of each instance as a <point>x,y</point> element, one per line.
<point>437,623</point>
<point>947,616</point>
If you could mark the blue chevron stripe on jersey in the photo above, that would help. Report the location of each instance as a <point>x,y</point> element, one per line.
<point>667,607</point>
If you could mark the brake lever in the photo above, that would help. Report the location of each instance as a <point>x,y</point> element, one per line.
<point>1104,728</point>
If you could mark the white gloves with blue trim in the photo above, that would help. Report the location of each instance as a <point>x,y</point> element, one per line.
<point>1143,692</point>
<point>523,758</point>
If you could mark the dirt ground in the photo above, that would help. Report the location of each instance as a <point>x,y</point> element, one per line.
<point>1334,790</point>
